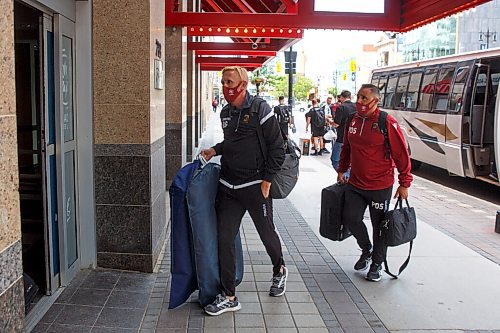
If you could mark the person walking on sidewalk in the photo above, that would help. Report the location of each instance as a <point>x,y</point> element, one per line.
<point>245,181</point>
<point>316,119</point>
<point>371,176</point>
<point>282,112</point>
<point>339,121</point>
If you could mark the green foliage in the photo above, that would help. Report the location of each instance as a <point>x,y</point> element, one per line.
<point>280,84</point>
<point>332,91</point>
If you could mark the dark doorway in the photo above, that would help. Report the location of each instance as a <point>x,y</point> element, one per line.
<point>31,156</point>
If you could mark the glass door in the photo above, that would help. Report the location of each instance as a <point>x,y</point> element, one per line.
<point>69,249</point>
<point>49,148</point>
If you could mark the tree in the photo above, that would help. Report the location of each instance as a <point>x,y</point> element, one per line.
<point>300,88</point>
<point>332,91</point>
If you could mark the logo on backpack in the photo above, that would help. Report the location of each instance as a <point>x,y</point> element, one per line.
<point>284,115</point>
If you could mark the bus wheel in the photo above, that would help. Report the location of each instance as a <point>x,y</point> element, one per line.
<point>415,165</point>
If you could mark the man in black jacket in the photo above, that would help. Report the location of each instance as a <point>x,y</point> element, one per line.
<point>245,181</point>
<point>342,114</point>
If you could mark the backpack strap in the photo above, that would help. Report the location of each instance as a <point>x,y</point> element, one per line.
<point>254,110</point>
<point>382,125</point>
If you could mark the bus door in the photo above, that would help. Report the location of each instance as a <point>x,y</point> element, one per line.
<point>453,129</point>
<point>478,109</point>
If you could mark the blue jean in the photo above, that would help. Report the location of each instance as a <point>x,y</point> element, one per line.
<point>335,157</point>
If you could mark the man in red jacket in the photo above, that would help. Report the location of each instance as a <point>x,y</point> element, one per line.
<point>372,176</point>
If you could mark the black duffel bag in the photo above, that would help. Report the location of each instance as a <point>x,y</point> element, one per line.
<point>285,179</point>
<point>399,227</point>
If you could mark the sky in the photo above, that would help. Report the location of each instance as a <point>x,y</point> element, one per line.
<point>358,6</point>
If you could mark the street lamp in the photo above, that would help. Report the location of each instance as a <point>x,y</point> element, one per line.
<point>488,34</point>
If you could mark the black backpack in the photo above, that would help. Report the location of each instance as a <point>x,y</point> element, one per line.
<point>283,114</point>
<point>287,176</point>
<point>318,117</point>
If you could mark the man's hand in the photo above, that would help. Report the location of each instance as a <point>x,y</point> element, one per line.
<point>401,192</point>
<point>208,153</point>
<point>341,177</point>
<point>265,187</point>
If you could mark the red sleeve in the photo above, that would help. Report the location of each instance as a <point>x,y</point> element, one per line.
<point>399,152</point>
<point>345,154</point>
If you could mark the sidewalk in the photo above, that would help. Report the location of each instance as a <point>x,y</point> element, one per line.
<point>447,286</point>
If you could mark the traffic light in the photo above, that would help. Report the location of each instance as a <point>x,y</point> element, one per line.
<point>278,67</point>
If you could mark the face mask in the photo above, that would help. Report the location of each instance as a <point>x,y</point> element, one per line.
<point>363,109</point>
<point>230,94</point>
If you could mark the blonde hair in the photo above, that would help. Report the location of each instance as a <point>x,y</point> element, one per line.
<point>242,72</point>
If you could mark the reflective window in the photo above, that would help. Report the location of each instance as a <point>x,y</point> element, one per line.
<point>458,89</point>
<point>442,88</point>
<point>400,96</point>
<point>427,90</point>
<point>413,88</point>
<point>375,79</point>
<point>67,88</point>
<point>382,85</point>
<point>390,91</point>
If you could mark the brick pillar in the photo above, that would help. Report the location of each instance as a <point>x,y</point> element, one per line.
<point>176,99</point>
<point>129,135</point>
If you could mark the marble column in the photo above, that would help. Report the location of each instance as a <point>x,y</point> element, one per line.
<point>176,99</point>
<point>11,272</point>
<point>129,135</point>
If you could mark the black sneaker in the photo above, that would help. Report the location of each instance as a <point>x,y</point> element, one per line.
<point>364,261</point>
<point>278,287</point>
<point>315,153</point>
<point>326,151</point>
<point>222,304</point>
<point>375,272</point>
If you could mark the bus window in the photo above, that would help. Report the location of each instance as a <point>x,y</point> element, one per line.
<point>400,96</point>
<point>390,91</point>
<point>375,79</point>
<point>413,88</point>
<point>427,90</point>
<point>442,88</point>
<point>382,85</point>
<point>458,89</point>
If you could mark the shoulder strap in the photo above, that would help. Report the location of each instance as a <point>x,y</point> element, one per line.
<point>403,266</point>
<point>382,125</point>
<point>254,109</point>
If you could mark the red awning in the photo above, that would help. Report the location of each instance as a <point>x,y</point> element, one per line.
<point>258,27</point>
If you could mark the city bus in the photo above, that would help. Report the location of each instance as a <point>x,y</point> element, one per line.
<point>449,110</point>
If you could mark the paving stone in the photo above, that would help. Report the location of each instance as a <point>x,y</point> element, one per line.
<point>219,330</point>
<point>250,330</point>
<point>275,308</point>
<point>299,297</point>
<point>303,308</point>
<point>265,298</point>
<point>59,328</point>
<point>225,320</point>
<point>51,315</point>
<point>281,330</point>
<point>78,315</point>
<point>118,317</point>
<point>250,308</point>
<point>278,320</point>
<point>308,320</point>
<point>313,330</point>
<point>97,329</point>
<point>127,299</point>
<point>248,320</point>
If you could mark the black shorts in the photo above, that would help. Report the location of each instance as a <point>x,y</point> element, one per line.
<point>317,131</point>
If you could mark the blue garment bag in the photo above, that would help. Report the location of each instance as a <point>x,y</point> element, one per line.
<point>193,237</point>
<point>182,264</point>
<point>201,195</point>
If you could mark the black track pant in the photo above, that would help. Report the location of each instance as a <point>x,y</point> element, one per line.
<point>231,205</point>
<point>355,204</point>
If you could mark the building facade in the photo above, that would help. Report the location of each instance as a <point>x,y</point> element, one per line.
<point>100,105</point>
